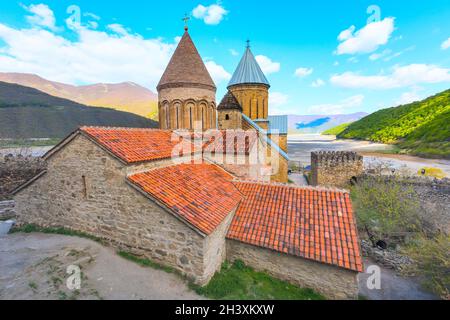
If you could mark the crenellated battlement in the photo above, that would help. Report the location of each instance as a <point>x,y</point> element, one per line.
<point>335,168</point>
<point>335,157</point>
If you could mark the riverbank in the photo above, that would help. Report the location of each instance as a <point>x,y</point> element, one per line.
<point>301,146</point>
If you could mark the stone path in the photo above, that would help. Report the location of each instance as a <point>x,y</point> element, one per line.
<point>298,179</point>
<point>34,266</point>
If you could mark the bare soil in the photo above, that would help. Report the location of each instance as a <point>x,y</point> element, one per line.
<point>34,267</point>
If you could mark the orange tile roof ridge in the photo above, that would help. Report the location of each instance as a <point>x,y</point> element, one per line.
<point>293,186</point>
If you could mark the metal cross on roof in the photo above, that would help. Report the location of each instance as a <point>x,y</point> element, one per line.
<point>186,19</point>
<point>248,43</point>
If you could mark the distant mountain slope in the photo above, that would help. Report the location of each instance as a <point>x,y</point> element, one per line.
<point>336,130</point>
<point>29,113</point>
<point>320,123</point>
<point>421,128</point>
<point>127,96</point>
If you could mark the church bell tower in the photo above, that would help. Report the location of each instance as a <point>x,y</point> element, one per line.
<point>186,91</point>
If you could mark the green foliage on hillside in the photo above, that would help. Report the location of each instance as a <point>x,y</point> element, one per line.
<point>420,128</point>
<point>336,130</point>
<point>28,113</point>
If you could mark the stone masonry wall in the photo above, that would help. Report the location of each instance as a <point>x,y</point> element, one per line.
<point>215,249</point>
<point>7,210</point>
<point>332,282</point>
<point>254,99</point>
<point>85,189</point>
<point>335,169</point>
<point>234,121</point>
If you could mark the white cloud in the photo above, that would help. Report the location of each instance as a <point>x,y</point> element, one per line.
<point>42,16</point>
<point>338,108</point>
<point>408,97</point>
<point>85,56</point>
<point>118,28</point>
<point>234,52</point>
<point>318,83</point>
<point>217,72</point>
<point>277,103</point>
<point>278,99</point>
<point>367,39</point>
<point>376,56</point>
<point>212,14</point>
<point>405,76</point>
<point>446,44</point>
<point>346,34</point>
<point>267,65</point>
<point>303,72</point>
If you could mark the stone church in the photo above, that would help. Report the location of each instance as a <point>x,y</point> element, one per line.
<point>187,101</point>
<point>184,209</point>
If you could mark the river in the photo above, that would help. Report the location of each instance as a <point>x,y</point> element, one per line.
<point>301,146</point>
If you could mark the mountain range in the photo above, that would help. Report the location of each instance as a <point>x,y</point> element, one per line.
<point>318,123</point>
<point>420,128</point>
<point>126,96</point>
<point>29,113</point>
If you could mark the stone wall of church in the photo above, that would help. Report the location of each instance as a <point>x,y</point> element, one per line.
<point>85,189</point>
<point>187,108</point>
<point>331,281</point>
<point>215,250</point>
<point>229,119</point>
<point>254,99</point>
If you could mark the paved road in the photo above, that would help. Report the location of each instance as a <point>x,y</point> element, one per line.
<point>34,266</point>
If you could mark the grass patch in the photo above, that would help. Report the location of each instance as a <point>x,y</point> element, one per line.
<point>32,228</point>
<point>146,262</point>
<point>238,282</point>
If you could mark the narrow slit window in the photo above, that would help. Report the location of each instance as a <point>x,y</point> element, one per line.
<point>85,190</point>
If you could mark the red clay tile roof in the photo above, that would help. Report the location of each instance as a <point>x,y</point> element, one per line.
<point>201,194</point>
<point>218,141</point>
<point>309,223</point>
<point>135,145</point>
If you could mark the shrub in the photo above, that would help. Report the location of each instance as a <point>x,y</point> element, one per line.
<point>432,260</point>
<point>386,208</point>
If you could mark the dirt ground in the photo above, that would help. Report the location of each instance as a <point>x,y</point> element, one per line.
<point>393,286</point>
<point>34,267</point>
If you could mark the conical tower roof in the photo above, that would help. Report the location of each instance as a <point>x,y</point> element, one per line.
<point>229,102</point>
<point>186,68</point>
<point>248,71</point>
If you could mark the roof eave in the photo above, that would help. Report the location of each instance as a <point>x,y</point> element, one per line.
<point>231,85</point>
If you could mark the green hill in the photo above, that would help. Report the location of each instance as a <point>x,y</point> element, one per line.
<point>27,113</point>
<point>420,128</point>
<point>336,130</point>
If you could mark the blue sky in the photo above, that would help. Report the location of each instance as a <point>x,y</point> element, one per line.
<point>320,57</point>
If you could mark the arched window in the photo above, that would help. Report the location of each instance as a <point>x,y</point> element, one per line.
<point>227,117</point>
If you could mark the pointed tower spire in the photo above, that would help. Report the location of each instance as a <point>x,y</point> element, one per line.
<point>248,71</point>
<point>186,67</point>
